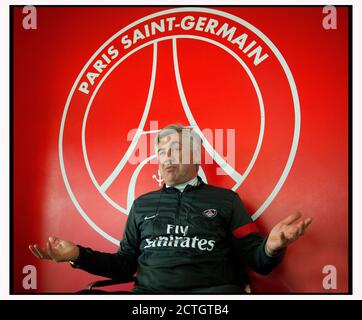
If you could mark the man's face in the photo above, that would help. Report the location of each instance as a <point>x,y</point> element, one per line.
<point>175,159</point>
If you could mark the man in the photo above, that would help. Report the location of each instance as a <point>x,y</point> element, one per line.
<point>187,237</point>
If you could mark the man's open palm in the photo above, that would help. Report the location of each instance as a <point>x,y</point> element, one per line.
<point>285,232</point>
<point>57,250</point>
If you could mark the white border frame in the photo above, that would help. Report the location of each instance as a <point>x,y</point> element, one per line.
<point>4,162</point>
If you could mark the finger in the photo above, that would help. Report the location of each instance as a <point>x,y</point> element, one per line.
<point>34,252</point>
<point>290,219</point>
<point>41,252</point>
<point>306,223</point>
<point>50,251</point>
<point>283,238</point>
<point>301,228</point>
<point>292,233</point>
<point>53,240</point>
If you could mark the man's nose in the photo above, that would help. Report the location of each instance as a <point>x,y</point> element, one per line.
<point>170,157</point>
<point>169,153</point>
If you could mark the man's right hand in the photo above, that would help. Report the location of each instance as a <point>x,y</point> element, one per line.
<point>57,250</point>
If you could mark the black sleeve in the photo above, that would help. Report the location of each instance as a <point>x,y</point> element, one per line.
<point>248,243</point>
<point>119,265</point>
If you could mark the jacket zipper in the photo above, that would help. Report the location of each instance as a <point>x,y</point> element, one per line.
<point>177,218</point>
<point>187,215</point>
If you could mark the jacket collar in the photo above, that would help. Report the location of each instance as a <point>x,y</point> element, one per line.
<point>187,188</point>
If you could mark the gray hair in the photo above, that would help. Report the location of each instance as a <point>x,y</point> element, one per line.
<point>184,131</point>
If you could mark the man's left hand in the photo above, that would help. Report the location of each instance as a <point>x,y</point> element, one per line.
<point>285,232</point>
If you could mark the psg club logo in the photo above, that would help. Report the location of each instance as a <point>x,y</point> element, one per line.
<point>202,67</point>
<point>209,213</point>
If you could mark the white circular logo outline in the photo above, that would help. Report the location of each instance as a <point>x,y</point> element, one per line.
<point>280,58</point>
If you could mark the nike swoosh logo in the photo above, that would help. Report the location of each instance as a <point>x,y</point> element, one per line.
<point>151,217</point>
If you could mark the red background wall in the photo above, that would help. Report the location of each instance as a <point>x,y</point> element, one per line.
<point>46,64</point>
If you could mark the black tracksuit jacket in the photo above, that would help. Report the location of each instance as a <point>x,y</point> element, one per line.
<point>177,242</point>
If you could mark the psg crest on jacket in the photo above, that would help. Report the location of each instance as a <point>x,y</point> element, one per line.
<point>210,213</point>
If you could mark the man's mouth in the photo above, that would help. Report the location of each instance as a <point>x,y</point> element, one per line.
<point>170,168</point>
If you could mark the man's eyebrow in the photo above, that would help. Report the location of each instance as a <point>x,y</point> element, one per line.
<point>171,144</point>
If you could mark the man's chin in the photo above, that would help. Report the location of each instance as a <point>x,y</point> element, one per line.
<point>170,183</point>
<point>170,180</point>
